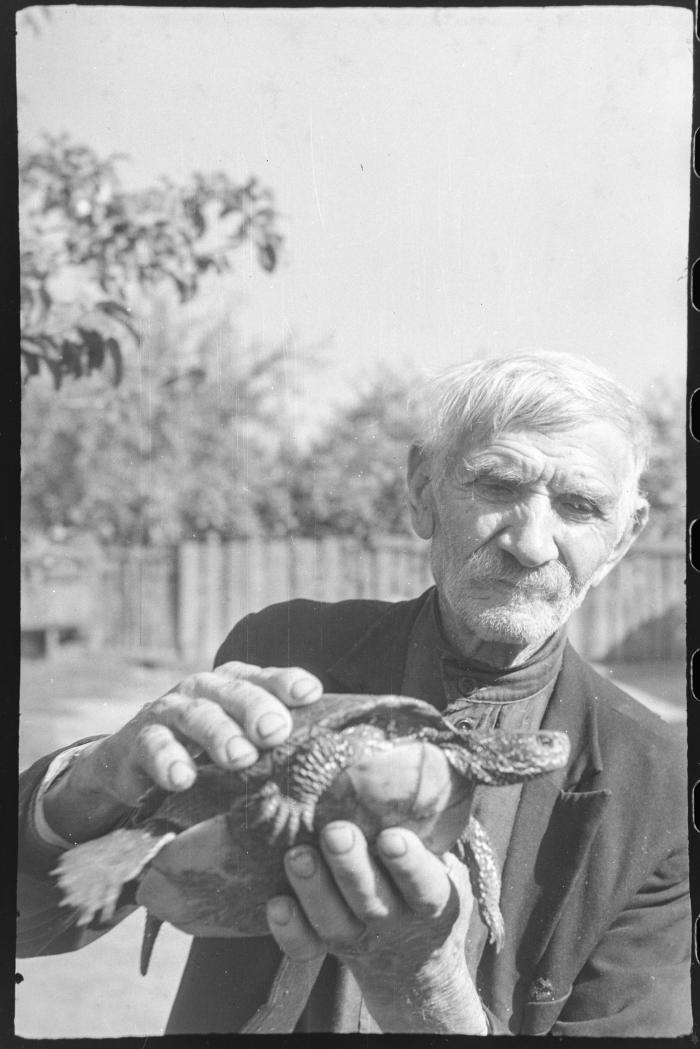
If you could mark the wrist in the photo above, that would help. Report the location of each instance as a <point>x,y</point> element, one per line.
<point>438,996</point>
<point>75,806</point>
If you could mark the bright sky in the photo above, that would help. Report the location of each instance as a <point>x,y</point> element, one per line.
<point>451,181</point>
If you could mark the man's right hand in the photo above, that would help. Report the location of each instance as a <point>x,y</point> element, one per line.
<point>231,713</point>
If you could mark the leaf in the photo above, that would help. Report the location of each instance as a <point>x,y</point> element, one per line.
<point>113,349</point>
<point>31,360</point>
<point>71,357</point>
<point>95,345</point>
<point>42,341</point>
<point>119,313</point>
<point>55,369</point>
<point>120,238</point>
<point>267,256</point>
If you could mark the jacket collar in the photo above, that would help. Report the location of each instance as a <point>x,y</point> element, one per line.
<point>573,709</point>
<point>375,663</point>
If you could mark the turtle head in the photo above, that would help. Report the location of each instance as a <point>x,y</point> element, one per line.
<point>501,757</point>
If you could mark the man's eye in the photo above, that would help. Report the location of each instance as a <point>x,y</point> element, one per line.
<point>493,488</point>
<point>581,508</point>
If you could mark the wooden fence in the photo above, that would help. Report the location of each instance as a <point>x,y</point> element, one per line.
<point>185,600</point>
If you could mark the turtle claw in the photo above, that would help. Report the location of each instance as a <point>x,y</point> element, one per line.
<point>280,814</point>
<point>497,931</point>
<point>267,805</point>
<point>286,819</point>
<point>272,812</point>
<point>308,811</point>
<point>93,874</point>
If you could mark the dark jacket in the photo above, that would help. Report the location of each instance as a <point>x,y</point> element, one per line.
<point>595,891</point>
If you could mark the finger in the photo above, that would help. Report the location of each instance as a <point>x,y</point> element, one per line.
<point>206,723</point>
<point>364,887</point>
<point>291,929</point>
<point>163,758</point>
<point>294,686</point>
<point>420,876</point>
<point>264,720</point>
<point>325,908</point>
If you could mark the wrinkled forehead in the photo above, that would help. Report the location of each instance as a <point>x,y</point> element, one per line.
<point>599,448</point>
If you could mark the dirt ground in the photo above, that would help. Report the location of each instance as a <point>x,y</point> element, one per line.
<point>99,992</point>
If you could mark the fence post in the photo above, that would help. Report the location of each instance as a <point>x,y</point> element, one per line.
<point>96,628</point>
<point>213,575</point>
<point>332,569</point>
<point>188,600</point>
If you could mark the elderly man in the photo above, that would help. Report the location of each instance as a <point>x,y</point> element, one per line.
<point>525,478</point>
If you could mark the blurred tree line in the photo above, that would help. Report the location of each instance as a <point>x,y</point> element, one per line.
<point>161,460</point>
<point>145,423</point>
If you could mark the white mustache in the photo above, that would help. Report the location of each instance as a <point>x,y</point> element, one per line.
<point>484,566</point>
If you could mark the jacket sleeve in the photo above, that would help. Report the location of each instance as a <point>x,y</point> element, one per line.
<point>44,925</point>
<point>636,983</point>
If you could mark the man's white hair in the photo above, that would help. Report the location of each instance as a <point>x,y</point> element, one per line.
<point>535,390</point>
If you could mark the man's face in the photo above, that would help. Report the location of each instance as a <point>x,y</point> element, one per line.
<point>523,524</point>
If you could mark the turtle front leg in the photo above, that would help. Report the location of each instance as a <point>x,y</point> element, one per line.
<point>312,769</point>
<point>476,851</point>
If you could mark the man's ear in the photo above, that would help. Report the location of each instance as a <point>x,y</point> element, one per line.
<point>635,526</point>
<point>420,495</point>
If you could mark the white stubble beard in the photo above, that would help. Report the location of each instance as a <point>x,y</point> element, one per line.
<point>538,604</point>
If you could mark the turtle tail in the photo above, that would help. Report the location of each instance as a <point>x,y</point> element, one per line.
<point>150,934</point>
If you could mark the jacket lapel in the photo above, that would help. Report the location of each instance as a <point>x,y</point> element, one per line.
<point>557,820</point>
<point>375,663</point>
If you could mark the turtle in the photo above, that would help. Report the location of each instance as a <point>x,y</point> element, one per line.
<point>207,859</point>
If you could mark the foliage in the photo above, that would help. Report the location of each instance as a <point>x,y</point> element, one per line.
<point>35,18</point>
<point>351,481</point>
<point>199,437</point>
<point>90,249</point>
<point>664,480</point>
<point>186,444</point>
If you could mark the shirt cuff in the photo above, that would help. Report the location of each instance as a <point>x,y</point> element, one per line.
<point>60,765</point>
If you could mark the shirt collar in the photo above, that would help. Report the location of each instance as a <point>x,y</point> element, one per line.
<point>478,681</point>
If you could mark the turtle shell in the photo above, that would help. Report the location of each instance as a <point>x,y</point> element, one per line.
<point>207,859</point>
<point>376,761</point>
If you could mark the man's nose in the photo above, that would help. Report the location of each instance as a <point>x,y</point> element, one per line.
<point>528,534</point>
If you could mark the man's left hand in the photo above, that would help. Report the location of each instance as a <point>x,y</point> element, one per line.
<point>399,924</point>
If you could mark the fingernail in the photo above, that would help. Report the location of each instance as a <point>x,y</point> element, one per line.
<point>279,910</point>
<point>339,838</point>
<point>268,724</point>
<point>303,862</point>
<point>180,775</point>
<point>238,749</point>
<point>303,688</point>
<point>393,843</point>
